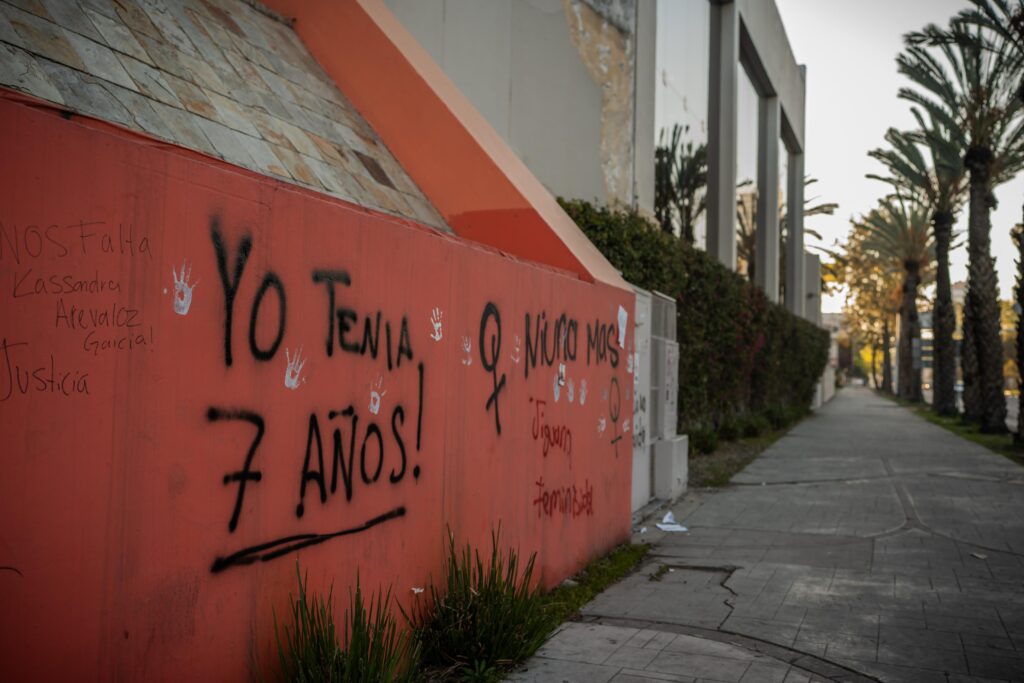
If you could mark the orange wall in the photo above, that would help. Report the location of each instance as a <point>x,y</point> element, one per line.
<point>126,432</point>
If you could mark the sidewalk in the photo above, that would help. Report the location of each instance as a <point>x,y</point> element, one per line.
<point>866,544</point>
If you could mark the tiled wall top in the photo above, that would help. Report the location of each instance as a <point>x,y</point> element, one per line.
<point>223,77</point>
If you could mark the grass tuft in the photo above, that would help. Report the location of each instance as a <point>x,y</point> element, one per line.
<point>487,616</point>
<point>309,650</point>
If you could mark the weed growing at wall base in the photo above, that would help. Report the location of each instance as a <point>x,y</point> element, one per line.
<point>486,617</point>
<point>376,649</point>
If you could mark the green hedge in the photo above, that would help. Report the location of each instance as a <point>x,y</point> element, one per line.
<point>742,359</point>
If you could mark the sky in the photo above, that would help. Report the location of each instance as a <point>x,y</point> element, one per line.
<point>850,50</point>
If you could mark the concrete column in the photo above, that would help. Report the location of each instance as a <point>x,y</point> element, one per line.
<point>722,96</point>
<point>643,105</point>
<point>795,280</point>
<point>812,299</point>
<point>766,258</point>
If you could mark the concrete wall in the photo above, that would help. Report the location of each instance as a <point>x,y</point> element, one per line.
<point>767,34</point>
<point>188,411</point>
<point>556,81</point>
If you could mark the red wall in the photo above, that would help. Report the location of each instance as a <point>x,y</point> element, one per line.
<point>126,432</point>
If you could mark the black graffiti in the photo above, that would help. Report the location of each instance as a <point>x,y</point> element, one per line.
<point>347,321</point>
<point>398,415</point>
<point>246,474</point>
<point>419,414</point>
<point>330,278</point>
<point>270,281</point>
<point>371,464</point>
<point>491,365</point>
<point>639,420</point>
<point>271,550</point>
<point>230,281</point>
<point>601,340</point>
<point>614,410</point>
<point>316,475</point>
<point>563,338</point>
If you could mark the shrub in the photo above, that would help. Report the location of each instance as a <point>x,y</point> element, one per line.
<point>756,425</point>
<point>730,429</point>
<point>309,651</point>
<point>739,353</point>
<point>704,440</point>
<point>485,618</point>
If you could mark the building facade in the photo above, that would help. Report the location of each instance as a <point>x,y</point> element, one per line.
<point>584,91</point>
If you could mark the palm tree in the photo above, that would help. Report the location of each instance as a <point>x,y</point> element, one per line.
<point>1003,18</point>
<point>897,231</point>
<point>664,178</point>
<point>746,225</point>
<point>939,182</point>
<point>972,92</point>
<point>680,177</point>
<point>1018,239</point>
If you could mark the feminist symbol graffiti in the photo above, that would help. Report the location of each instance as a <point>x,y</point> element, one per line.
<point>614,408</point>
<point>491,365</point>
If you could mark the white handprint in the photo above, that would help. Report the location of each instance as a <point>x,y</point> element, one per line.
<point>182,288</point>
<point>376,395</point>
<point>601,424</point>
<point>625,426</point>
<point>629,363</point>
<point>293,373</point>
<point>515,350</point>
<point>572,391</point>
<point>435,320</point>
<point>583,391</point>
<point>467,347</point>
<point>556,387</point>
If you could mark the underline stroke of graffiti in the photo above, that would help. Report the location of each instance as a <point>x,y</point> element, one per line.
<point>264,552</point>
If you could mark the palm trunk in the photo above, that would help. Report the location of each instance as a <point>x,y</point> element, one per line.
<point>1018,235</point>
<point>910,329</point>
<point>982,297</point>
<point>886,356</point>
<point>943,321</point>
<point>969,368</point>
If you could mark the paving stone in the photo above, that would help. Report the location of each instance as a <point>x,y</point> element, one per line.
<point>86,95</point>
<point>542,670</point>
<point>589,643</point>
<point>19,70</point>
<point>71,16</point>
<point>941,659</point>
<point>634,675</point>
<point>99,60</point>
<point>149,81</point>
<point>766,672</point>
<point>42,37</point>
<point>631,657</point>
<point>700,666</point>
<point>646,677</point>
<point>695,645</point>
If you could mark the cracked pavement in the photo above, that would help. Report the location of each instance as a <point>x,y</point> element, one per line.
<point>866,544</point>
